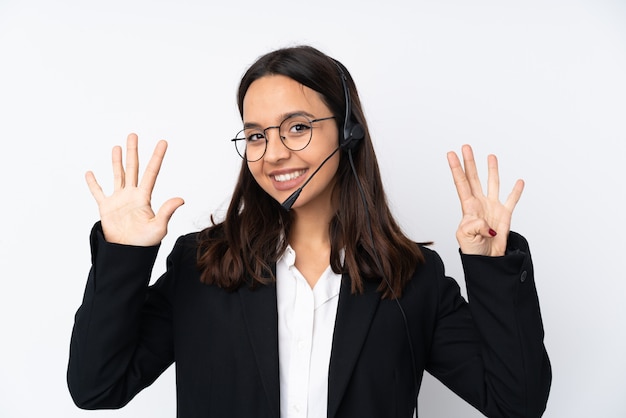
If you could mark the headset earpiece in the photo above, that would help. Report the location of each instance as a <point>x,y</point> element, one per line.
<point>353,132</point>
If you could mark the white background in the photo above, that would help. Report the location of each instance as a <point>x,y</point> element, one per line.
<point>542,84</point>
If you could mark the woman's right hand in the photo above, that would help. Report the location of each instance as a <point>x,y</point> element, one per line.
<point>126,215</point>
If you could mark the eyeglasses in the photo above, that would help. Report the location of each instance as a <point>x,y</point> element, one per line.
<point>295,132</point>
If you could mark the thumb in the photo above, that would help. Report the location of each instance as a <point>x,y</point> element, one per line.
<point>476,227</point>
<point>168,208</point>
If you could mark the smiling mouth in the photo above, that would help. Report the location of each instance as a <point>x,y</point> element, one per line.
<point>288,176</point>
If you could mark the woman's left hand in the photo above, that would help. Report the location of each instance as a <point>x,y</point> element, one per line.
<point>486,221</point>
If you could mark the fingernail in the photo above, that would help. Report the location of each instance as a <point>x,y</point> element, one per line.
<point>492,232</point>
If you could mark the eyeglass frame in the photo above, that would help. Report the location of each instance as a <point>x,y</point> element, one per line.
<point>282,139</point>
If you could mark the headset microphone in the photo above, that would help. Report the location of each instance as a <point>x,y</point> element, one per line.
<point>288,203</point>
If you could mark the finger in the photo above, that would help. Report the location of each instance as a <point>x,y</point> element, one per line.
<point>94,187</point>
<point>515,195</point>
<point>168,208</point>
<point>119,178</point>
<point>154,166</point>
<point>470,170</point>
<point>476,227</point>
<point>463,188</point>
<point>493,177</point>
<point>132,160</point>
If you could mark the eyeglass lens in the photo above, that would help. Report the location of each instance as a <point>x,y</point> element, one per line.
<point>295,133</point>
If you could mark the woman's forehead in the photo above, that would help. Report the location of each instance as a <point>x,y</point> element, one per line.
<point>276,96</point>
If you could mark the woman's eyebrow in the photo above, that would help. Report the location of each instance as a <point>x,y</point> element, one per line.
<point>249,125</point>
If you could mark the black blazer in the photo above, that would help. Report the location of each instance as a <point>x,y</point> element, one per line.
<point>225,344</point>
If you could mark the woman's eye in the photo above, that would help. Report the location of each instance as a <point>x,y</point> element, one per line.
<point>299,128</point>
<point>254,137</point>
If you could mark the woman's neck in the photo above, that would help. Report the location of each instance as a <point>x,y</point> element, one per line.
<point>310,226</point>
<point>309,237</point>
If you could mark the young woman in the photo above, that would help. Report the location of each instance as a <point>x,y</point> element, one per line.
<point>312,304</point>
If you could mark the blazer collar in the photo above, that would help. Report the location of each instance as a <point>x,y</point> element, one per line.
<point>261,320</point>
<point>354,315</point>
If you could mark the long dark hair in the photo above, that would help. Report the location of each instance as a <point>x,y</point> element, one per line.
<point>243,248</point>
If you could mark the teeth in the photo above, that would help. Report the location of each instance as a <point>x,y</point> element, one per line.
<point>288,176</point>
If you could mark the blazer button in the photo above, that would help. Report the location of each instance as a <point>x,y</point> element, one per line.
<point>523,276</point>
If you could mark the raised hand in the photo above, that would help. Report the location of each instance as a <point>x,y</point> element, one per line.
<point>126,215</point>
<point>486,221</point>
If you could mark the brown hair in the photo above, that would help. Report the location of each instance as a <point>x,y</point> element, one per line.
<point>244,247</point>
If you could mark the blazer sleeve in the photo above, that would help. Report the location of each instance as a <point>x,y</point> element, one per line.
<point>122,336</point>
<point>490,351</point>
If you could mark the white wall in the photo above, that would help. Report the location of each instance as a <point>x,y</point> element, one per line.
<point>540,83</point>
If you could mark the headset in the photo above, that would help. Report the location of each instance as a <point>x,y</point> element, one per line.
<point>353,133</point>
<point>351,136</point>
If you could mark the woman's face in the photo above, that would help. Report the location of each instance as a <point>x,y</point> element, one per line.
<point>268,101</point>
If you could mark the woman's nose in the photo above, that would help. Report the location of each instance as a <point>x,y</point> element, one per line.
<point>275,150</point>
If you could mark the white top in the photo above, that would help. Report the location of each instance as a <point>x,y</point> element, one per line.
<point>306,320</point>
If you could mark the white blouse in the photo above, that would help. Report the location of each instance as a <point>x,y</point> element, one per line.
<point>306,320</point>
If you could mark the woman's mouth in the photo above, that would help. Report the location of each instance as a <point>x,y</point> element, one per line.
<point>288,180</point>
<point>288,176</point>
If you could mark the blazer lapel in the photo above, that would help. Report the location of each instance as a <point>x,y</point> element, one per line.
<point>261,320</point>
<point>354,315</point>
